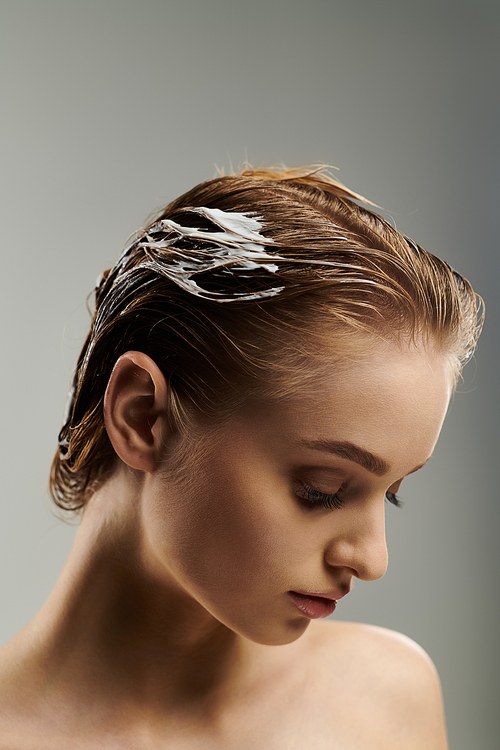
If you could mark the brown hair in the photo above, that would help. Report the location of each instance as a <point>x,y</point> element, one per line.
<point>344,273</point>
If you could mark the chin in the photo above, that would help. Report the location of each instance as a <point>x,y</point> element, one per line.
<point>289,632</point>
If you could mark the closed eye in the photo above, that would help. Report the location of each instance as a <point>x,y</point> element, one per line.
<point>315,499</point>
<point>391,497</point>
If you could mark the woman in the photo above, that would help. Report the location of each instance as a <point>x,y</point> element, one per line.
<point>266,363</point>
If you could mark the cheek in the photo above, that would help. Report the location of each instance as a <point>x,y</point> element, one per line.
<point>226,532</point>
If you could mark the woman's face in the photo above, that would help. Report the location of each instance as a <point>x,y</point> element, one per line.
<point>286,502</point>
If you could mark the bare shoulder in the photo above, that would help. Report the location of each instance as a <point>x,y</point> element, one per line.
<point>389,680</point>
<point>18,692</point>
<point>372,645</point>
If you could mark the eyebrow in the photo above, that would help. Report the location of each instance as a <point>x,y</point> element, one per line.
<point>344,449</point>
<point>369,461</point>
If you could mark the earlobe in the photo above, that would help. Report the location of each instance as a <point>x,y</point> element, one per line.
<point>135,406</point>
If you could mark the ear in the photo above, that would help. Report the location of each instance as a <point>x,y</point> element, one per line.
<point>135,406</point>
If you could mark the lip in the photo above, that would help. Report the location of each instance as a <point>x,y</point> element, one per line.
<point>315,604</point>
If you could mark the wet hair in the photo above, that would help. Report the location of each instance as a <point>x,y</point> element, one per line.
<point>233,310</point>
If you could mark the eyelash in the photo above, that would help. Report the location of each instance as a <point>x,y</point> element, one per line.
<point>314,498</point>
<point>392,498</point>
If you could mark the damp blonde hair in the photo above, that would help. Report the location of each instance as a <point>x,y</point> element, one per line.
<point>347,279</point>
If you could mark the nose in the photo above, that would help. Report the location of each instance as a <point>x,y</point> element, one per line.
<point>359,542</point>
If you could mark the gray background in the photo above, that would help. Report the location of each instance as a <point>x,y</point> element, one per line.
<point>110,109</point>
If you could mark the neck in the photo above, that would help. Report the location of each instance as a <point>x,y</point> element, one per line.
<point>120,628</point>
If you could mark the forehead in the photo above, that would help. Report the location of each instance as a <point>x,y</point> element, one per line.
<point>391,402</point>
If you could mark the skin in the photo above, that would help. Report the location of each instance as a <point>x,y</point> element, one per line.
<point>162,629</point>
